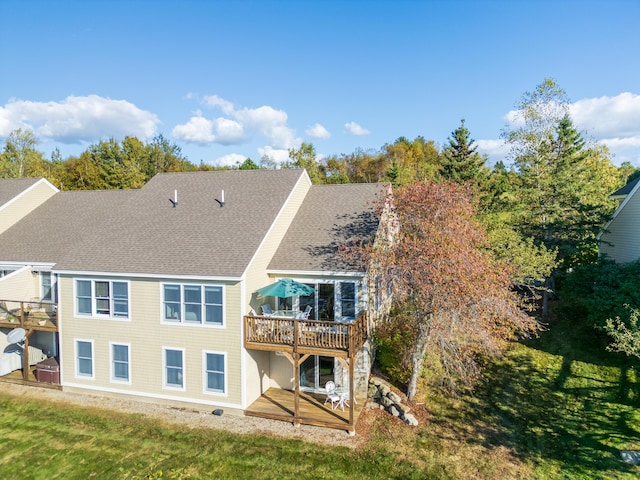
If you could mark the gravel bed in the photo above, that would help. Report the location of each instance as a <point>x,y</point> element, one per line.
<point>193,416</point>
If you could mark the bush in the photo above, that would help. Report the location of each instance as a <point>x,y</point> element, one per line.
<point>601,291</point>
<point>394,342</point>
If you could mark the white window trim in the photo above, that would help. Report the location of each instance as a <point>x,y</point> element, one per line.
<point>52,287</point>
<point>111,363</point>
<point>94,314</point>
<point>338,308</point>
<point>165,385</point>
<point>182,321</point>
<point>205,389</point>
<point>77,359</point>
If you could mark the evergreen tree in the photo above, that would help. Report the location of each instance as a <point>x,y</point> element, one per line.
<point>248,164</point>
<point>460,160</point>
<point>562,196</point>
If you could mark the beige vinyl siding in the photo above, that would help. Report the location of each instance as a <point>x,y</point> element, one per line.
<point>18,285</point>
<point>147,336</point>
<point>623,234</point>
<point>23,204</point>
<point>256,276</point>
<point>257,370</point>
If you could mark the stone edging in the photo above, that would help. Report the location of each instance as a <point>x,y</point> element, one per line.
<point>380,393</point>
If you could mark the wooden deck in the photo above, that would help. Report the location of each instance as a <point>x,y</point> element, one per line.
<point>17,377</point>
<point>28,315</point>
<point>278,404</point>
<point>282,334</point>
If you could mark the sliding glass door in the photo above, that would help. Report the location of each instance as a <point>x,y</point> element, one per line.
<point>315,372</point>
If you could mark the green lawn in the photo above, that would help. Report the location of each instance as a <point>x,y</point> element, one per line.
<point>558,407</point>
<point>565,405</point>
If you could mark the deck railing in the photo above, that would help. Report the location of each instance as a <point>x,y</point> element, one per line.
<point>34,315</point>
<point>305,334</point>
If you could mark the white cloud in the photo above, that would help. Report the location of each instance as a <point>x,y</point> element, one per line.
<point>277,155</point>
<point>495,149</point>
<point>242,126</point>
<point>228,132</point>
<point>602,117</point>
<point>215,101</point>
<point>197,130</point>
<point>269,123</point>
<point>318,131</point>
<point>78,119</point>
<point>354,129</point>
<point>230,160</point>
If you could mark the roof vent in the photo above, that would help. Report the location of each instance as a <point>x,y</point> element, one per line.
<point>174,200</point>
<point>221,201</point>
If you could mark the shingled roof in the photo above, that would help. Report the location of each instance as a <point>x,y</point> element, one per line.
<point>140,232</point>
<point>330,216</point>
<point>624,191</point>
<point>12,187</point>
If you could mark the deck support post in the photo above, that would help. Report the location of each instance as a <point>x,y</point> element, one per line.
<point>352,397</point>
<point>296,383</point>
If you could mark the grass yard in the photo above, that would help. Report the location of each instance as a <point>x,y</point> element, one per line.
<point>558,407</point>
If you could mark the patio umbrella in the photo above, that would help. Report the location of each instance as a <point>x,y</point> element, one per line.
<point>285,288</point>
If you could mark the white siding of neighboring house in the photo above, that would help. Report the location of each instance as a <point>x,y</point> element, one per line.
<point>11,212</point>
<point>147,336</point>
<point>621,241</point>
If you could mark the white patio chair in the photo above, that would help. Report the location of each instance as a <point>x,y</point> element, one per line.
<point>266,310</point>
<point>332,396</point>
<point>305,315</point>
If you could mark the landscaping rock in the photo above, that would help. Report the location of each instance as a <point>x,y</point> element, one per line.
<point>380,392</point>
<point>410,419</point>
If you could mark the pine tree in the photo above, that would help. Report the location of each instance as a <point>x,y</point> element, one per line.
<point>460,160</point>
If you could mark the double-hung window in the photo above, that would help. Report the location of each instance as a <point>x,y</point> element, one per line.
<point>84,358</point>
<point>120,370</point>
<point>194,304</point>
<point>348,299</point>
<point>214,372</point>
<point>46,287</point>
<point>174,368</point>
<point>103,298</point>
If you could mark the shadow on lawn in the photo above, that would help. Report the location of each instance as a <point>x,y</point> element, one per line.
<point>562,398</point>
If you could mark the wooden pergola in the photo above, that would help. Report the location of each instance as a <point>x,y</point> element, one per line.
<point>299,339</point>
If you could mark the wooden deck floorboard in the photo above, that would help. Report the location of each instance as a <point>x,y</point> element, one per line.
<point>278,404</point>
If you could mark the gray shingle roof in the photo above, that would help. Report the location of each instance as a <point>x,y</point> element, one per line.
<point>624,191</point>
<point>12,187</point>
<point>139,231</point>
<point>330,216</point>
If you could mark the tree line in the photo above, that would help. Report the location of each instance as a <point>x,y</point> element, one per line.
<point>489,239</point>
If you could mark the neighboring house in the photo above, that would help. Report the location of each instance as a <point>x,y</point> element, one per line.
<point>153,290</point>
<point>618,240</point>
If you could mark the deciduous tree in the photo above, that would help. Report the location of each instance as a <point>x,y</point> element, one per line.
<point>20,158</point>
<point>452,291</point>
<point>562,195</point>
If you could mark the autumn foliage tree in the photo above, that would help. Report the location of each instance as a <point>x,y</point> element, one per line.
<point>452,292</point>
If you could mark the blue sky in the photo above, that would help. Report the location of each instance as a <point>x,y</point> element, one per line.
<point>226,80</point>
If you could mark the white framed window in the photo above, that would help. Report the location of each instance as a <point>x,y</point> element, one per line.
<point>348,299</point>
<point>120,363</point>
<point>173,365</point>
<point>47,286</point>
<point>84,358</point>
<point>102,298</point>
<point>214,372</point>
<point>193,304</point>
